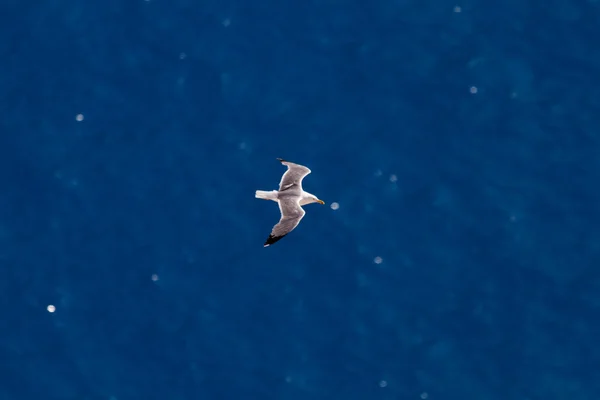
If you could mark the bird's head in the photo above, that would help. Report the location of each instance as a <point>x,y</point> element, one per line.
<point>310,198</point>
<point>314,199</point>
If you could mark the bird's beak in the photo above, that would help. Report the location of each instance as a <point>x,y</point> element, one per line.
<point>320,202</point>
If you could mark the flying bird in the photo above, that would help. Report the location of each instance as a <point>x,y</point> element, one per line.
<point>290,197</point>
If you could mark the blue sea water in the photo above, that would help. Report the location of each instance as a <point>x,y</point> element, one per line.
<point>459,140</point>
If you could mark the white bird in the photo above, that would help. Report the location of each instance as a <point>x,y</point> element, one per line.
<point>290,197</point>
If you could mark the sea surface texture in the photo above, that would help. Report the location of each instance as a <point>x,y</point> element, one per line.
<point>457,148</point>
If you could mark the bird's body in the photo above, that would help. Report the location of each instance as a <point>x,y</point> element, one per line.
<point>290,197</point>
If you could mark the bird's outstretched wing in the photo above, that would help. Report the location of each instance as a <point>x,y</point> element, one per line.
<point>291,214</point>
<point>293,176</point>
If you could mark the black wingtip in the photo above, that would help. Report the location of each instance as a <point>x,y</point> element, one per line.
<point>272,239</point>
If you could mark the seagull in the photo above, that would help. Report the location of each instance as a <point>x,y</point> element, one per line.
<point>290,197</point>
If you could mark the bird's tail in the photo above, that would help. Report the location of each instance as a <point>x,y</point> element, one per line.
<point>266,195</point>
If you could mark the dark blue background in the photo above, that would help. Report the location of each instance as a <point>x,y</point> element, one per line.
<point>489,282</point>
